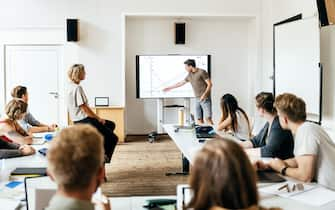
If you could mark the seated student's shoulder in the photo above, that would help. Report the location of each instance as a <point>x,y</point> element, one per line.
<point>277,130</point>
<point>313,129</point>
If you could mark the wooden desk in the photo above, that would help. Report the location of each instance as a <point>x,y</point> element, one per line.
<point>113,113</point>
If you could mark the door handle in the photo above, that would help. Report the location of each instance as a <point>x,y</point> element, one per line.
<point>55,94</point>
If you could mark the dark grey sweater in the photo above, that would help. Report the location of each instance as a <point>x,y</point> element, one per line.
<point>279,143</point>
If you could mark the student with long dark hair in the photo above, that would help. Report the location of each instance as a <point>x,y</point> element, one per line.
<point>80,112</point>
<point>234,119</point>
<point>222,177</point>
<point>272,140</point>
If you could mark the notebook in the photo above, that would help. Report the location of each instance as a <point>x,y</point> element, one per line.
<point>29,171</point>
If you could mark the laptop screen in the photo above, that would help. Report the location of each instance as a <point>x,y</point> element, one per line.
<point>184,196</point>
<point>39,191</point>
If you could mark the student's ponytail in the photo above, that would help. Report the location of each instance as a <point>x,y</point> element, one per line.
<point>19,91</point>
<point>266,101</point>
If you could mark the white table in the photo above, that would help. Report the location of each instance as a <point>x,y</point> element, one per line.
<point>36,160</point>
<point>134,203</point>
<point>32,161</point>
<point>188,144</point>
<point>185,139</point>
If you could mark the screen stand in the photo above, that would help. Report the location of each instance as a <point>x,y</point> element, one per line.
<point>161,118</point>
<point>160,115</point>
<point>159,121</point>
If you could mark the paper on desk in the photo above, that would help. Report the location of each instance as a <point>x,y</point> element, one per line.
<point>316,197</point>
<point>15,194</point>
<point>7,204</point>
<point>42,135</point>
<point>312,194</point>
<point>38,141</point>
<point>273,189</point>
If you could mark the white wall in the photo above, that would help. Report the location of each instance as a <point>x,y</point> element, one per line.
<point>100,48</point>
<point>225,38</point>
<point>273,11</point>
<point>102,24</point>
<point>328,61</point>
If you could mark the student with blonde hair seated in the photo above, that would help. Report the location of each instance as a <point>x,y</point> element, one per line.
<point>80,112</point>
<point>10,130</point>
<point>29,123</point>
<point>314,150</point>
<point>76,164</point>
<point>222,177</point>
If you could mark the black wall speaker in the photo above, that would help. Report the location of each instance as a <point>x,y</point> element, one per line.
<point>72,30</point>
<point>326,12</point>
<point>180,36</point>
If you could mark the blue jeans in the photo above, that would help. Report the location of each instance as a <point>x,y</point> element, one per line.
<point>203,108</point>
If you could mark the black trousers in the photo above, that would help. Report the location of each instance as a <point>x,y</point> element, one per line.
<point>107,130</point>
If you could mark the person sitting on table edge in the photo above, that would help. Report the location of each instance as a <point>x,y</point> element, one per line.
<point>223,178</point>
<point>76,164</point>
<point>10,150</point>
<point>29,123</point>
<point>272,140</point>
<point>313,149</point>
<point>10,130</point>
<point>81,113</point>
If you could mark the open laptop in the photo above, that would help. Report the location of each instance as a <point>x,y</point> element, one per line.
<point>39,191</point>
<point>184,196</point>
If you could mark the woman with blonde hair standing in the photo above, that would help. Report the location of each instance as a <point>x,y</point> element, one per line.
<point>80,112</point>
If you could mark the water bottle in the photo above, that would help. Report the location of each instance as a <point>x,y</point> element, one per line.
<point>181,117</point>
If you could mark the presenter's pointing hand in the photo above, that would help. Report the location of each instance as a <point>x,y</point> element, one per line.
<point>166,89</point>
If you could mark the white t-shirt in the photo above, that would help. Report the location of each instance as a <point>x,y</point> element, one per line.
<point>242,126</point>
<point>311,139</point>
<point>76,98</point>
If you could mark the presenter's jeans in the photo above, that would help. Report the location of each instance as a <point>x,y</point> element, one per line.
<point>203,108</point>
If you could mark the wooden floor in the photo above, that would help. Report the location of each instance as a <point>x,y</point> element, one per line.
<point>138,168</point>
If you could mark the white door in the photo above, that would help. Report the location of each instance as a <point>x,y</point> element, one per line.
<point>37,67</point>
